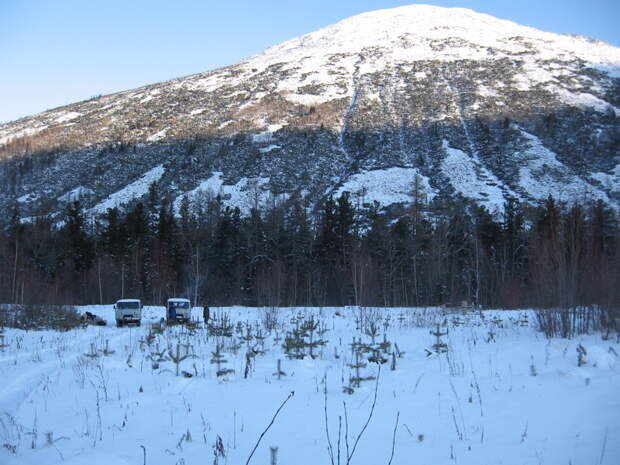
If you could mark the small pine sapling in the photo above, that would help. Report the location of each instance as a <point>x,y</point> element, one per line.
<point>533,371</point>
<point>399,353</point>
<point>239,329</point>
<point>385,345</point>
<point>218,359</point>
<point>157,357</point>
<point>581,355</point>
<point>439,346</point>
<point>356,380</point>
<point>177,358</point>
<point>377,357</point>
<point>294,345</point>
<point>93,351</point>
<point>301,337</point>
<point>279,373</point>
<point>220,325</point>
<point>260,337</point>
<point>149,338</point>
<point>372,331</point>
<point>386,323</point>
<point>107,350</point>
<point>248,336</point>
<point>308,328</point>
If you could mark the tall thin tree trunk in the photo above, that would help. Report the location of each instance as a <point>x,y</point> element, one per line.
<point>99,281</point>
<point>196,276</point>
<point>14,287</point>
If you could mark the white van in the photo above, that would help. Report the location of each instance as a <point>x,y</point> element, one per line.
<point>179,310</point>
<point>128,311</point>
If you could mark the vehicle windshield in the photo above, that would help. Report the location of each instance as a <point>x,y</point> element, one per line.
<point>179,304</point>
<point>127,305</point>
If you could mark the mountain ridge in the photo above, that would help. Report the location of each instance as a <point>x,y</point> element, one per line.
<point>505,112</point>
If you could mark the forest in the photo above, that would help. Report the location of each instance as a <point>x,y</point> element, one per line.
<point>447,252</point>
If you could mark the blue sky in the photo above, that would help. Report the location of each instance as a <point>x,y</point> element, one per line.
<point>55,52</point>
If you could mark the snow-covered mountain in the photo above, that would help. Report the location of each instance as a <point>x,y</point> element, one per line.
<point>463,102</point>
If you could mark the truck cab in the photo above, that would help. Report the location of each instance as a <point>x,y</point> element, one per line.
<point>128,311</point>
<point>178,310</point>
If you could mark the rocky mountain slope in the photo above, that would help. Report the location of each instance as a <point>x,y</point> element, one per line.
<point>465,103</point>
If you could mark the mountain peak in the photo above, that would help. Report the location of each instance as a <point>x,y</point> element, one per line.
<point>411,32</point>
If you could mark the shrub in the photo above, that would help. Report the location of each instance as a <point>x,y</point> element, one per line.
<point>569,322</point>
<point>59,317</point>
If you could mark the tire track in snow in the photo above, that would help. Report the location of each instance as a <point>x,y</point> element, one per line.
<point>14,393</point>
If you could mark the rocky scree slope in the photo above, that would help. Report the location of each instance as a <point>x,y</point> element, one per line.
<point>465,103</point>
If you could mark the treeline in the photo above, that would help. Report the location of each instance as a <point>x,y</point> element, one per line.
<point>342,254</point>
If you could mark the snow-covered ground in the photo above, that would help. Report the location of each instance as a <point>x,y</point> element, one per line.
<point>501,394</point>
<point>474,181</point>
<point>132,191</point>
<point>542,174</point>
<point>246,194</point>
<point>388,186</point>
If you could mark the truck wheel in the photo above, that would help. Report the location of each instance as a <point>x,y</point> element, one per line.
<point>138,323</point>
<point>119,324</point>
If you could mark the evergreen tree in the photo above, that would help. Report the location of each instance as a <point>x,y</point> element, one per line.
<point>328,240</point>
<point>114,236</point>
<point>80,248</point>
<point>298,253</point>
<point>343,228</point>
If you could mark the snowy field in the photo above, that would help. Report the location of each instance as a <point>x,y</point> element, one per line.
<point>490,389</point>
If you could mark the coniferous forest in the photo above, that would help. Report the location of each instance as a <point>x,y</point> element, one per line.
<point>344,253</point>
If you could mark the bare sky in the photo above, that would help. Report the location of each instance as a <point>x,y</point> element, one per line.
<point>56,52</point>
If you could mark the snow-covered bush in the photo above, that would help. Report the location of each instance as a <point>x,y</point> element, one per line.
<point>59,317</point>
<point>569,322</point>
